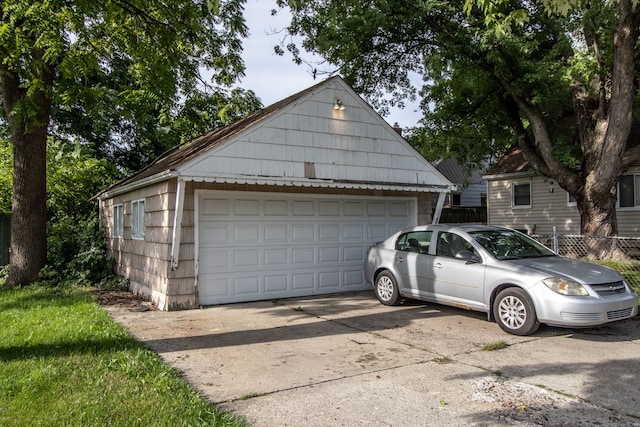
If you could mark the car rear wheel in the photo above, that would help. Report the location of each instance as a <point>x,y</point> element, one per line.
<point>514,312</point>
<point>386,289</point>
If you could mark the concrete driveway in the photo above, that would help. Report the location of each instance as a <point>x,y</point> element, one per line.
<point>345,360</point>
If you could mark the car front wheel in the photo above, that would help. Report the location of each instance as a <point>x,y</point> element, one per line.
<point>386,289</point>
<point>514,312</point>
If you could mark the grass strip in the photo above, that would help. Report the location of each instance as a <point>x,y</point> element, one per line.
<point>65,362</point>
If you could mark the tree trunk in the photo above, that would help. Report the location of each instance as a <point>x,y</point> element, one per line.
<point>28,208</point>
<point>29,198</point>
<point>599,225</point>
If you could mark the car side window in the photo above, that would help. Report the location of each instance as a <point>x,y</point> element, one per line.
<point>414,241</point>
<point>450,244</point>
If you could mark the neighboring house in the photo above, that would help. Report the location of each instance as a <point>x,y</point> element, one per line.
<point>521,198</point>
<point>282,203</point>
<point>471,187</point>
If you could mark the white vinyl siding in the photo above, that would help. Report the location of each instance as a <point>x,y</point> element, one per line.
<point>118,220</point>
<point>137,219</point>
<point>548,209</point>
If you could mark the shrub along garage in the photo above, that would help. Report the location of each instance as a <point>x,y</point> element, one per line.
<point>282,203</point>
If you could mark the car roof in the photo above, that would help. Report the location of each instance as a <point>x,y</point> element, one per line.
<point>452,227</point>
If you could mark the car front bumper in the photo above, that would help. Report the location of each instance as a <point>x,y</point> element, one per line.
<point>560,310</point>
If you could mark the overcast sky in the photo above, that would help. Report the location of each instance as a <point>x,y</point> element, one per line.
<point>274,77</point>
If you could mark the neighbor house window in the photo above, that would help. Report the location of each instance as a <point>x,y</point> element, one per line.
<point>137,219</point>
<point>483,200</point>
<point>521,195</point>
<point>117,220</point>
<point>629,191</point>
<point>455,199</point>
<point>571,200</point>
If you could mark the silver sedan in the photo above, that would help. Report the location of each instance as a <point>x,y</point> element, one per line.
<point>517,281</point>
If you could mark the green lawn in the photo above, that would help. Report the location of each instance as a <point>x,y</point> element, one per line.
<point>65,362</point>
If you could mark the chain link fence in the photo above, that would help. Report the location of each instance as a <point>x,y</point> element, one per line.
<point>577,246</point>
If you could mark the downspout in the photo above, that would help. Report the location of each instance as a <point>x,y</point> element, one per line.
<point>436,215</point>
<point>177,224</point>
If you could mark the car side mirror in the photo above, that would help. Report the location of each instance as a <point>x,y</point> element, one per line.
<point>467,255</point>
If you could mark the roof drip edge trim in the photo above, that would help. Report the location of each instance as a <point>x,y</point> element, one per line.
<point>318,183</point>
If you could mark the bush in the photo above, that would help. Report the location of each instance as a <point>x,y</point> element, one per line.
<point>76,251</point>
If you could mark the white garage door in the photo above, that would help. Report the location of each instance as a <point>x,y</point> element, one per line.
<point>255,246</point>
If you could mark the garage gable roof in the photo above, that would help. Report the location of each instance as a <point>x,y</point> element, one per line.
<point>301,140</point>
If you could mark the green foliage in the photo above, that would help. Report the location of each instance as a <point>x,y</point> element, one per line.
<point>498,345</point>
<point>60,351</point>
<point>6,176</point>
<point>76,250</point>
<point>74,176</point>
<point>75,242</point>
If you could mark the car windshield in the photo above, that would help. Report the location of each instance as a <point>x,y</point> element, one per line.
<point>509,244</point>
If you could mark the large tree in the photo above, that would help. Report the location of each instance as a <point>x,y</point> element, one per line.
<point>557,77</point>
<point>111,63</point>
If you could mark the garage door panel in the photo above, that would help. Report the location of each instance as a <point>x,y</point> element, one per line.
<point>303,256</point>
<point>354,209</point>
<point>246,258</point>
<point>331,208</point>
<point>254,246</point>
<point>214,234</point>
<point>303,232</point>
<point>276,233</point>
<point>353,278</point>
<point>303,208</point>
<point>277,283</point>
<point>354,232</point>
<point>329,280</point>
<point>377,208</point>
<point>247,207</point>
<point>276,257</point>
<point>398,209</point>
<point>330,254</point>
<point>212,207</point>
<point>216,260</point>
<point>354,254</point>
<point>276,207</point>
<point>303,281</point>
<point>330,232</point>
<point>246,233</point>
<point>244,286</point>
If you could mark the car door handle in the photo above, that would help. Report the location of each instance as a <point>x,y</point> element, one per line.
<point>399,259</point>
<point>437,265</point>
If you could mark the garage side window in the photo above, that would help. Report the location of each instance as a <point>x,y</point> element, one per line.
<point>415,241</point>
<point>118,219</point>
<point>521,195</point>
<point>137,219</point>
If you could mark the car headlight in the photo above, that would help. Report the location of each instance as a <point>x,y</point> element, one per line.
<point>565,287</point>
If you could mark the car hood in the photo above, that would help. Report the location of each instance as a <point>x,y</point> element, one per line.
<point>580,271</point>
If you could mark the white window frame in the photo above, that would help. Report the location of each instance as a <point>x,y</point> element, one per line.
<point>118,220</point>
<point>137,219</point>
<point>513,195</point>
<point>636,192</point>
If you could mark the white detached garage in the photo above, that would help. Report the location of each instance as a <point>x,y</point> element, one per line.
<point>282,203</point>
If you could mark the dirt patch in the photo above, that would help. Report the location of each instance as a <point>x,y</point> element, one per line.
<point>123,299</point>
